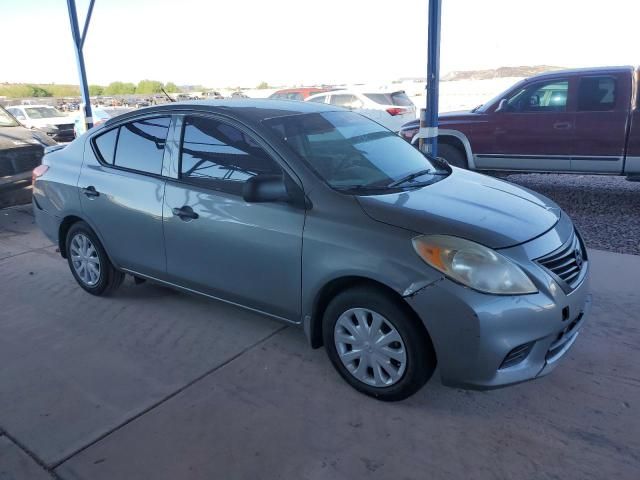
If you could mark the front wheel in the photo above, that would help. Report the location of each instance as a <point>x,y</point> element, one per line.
<point>376,345</point>
<point>453,155</point>
<point>89,262</point>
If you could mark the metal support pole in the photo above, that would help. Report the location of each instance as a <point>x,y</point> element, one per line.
<point>78,42</point>
<point>428,134</point>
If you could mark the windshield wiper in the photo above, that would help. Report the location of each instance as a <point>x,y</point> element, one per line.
<point>475,109</point>
<point>410,177</point>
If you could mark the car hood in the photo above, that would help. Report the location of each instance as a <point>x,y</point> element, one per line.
<point>15,137</point>
<point>491,212</point>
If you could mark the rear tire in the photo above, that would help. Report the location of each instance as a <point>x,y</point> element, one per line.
<point>89,262</point>
<point>376,344</point>
<point>453,155</point>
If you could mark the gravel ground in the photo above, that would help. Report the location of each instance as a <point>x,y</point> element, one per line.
<point>605,209</point>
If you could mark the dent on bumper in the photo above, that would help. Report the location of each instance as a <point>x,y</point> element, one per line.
<point>472,333</point>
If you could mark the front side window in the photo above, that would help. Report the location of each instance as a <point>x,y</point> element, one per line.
<point>351,152</point>
<point>597,94</point>
<point>219,156</point>
<point>549,96</point>
<point>141,145</point>
<point>346,101</point>
<point>320,99</point>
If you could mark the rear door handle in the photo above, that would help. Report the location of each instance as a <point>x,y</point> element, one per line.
<point>185,212</point>
<point>562,125</point>
<point>91,191</point>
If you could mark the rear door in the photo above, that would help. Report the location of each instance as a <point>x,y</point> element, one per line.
<point>121,192</point>
<point>601,123</point>
<point>245,253</point>
<point>535,130</point>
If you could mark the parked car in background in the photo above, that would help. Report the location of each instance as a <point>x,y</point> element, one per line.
<point>99,116</point>
<point>239,94</point>
<point>389,108</point>
<point>213,95</point>
<point>407,262</point>
<point>21,149</point>
<point>572,121</point>
<point>45,118</point>
<point>296,93</point>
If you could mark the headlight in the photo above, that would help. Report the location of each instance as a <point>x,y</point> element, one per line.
<point>473,265</point>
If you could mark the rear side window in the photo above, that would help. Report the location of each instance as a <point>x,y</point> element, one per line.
<point>219,156</point>
<point>141,144</point>
<point>106,145</point>
<point>597,94</point>
<point>319,99</point>
<point>399,99</point>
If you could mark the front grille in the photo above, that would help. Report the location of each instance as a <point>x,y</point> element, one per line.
<point>19,160</point>
<point>566,263</point>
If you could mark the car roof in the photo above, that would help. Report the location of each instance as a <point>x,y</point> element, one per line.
<point>250,109</point>
<point>587,70</point>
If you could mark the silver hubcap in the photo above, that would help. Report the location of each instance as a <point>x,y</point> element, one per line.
<point>85,260</point>
<point>370,347</point>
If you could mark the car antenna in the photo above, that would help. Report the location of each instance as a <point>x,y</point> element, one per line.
<point>167,95</point>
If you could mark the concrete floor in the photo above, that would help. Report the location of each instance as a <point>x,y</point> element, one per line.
<point>154,384</point>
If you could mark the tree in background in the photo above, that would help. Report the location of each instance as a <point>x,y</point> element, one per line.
<point>171,87</point>
<point>263,86</point>
<point>149,86</point>
<point>120,88</point>
<point>96,90</point>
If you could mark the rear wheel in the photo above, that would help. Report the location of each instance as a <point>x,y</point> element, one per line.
<point>376,344</point>
<point>89,263</point>
<point>453,155</point>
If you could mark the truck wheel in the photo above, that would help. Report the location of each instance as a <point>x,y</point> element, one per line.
<point>453,155</point>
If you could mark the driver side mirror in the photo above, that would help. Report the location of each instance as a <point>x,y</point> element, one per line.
<point>502,106</point>
<point>265,188</point>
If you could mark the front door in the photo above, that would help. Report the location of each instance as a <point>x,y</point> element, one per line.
<point>121,192</point>
<point>245,253</point>
<point>534,130</point>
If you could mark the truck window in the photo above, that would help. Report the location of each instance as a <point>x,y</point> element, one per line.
<point>550,96</point>
<point>597,94</point>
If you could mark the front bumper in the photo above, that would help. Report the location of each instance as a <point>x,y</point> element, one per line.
<point>475,334</point>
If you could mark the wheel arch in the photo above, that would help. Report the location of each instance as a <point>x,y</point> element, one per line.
<point>63,230</point>
<point>313,324</point>
<point>457,139</point>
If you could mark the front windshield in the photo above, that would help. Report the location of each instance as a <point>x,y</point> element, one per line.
<point>6,120</point>
<point>352,152</point>
<point>43,112</point>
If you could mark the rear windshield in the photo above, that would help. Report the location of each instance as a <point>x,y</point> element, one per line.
<point>399,99</point>
<point>348,150</point>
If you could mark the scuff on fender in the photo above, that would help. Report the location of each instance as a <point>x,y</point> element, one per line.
<point>416,287</point>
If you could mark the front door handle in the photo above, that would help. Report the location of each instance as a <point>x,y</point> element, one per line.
<point>562,125</point>
<point>185,213</point>
<point>90,191</point>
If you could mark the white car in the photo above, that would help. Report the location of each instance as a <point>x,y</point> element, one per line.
<point>389,108</point>
<point>45,118</point>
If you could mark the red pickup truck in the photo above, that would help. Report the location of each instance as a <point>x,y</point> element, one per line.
<point>572,121</point>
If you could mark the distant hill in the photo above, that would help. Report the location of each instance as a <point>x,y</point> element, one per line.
<point>500,72</point>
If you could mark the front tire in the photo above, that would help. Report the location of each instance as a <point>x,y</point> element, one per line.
<point>89,262</point>
<point>453,155</point>
<point>376,344</point>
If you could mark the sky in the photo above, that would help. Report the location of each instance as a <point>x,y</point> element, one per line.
<point>219,43</point>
